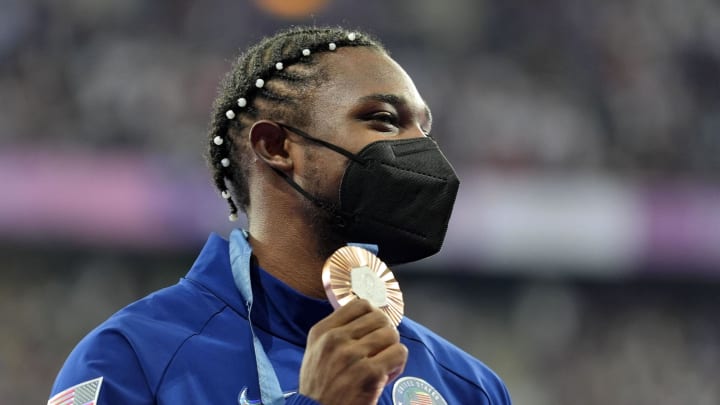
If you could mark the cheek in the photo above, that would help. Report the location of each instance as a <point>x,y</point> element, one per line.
<point>323,174</point>
<point>333,175</point>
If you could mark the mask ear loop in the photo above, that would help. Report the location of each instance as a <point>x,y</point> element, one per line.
<point>341,218</point>
<point>326,144</point>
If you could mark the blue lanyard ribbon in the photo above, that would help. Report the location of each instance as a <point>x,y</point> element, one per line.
<point>240,253</point>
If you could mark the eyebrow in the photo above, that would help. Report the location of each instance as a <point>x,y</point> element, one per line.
<point>397,102</point>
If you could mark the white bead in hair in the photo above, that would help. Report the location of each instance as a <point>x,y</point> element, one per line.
<point>306,52</point>
<point>225,162</point>
<point>233,217</point>
<point>242,102</point>
<point>218,140</point>
<point>279,66</point>
<point>230,114</point>
<point>259,83</point>
<point>332,46</point>
<point>225,194</point>
<point>352,36</point>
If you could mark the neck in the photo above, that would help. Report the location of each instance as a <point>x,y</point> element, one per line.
<point>286,247</point>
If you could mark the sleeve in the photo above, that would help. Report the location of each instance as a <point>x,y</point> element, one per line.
<point>497,390</point>
<point>503,395</point>
<point>104,368</point>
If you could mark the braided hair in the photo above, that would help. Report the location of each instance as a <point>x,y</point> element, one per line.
<point>271,80</point>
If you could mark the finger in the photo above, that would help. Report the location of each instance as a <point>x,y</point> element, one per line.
<point>343,315</point>
<point>378,340</point>
<point>391,361</point>
<point>368,323</point>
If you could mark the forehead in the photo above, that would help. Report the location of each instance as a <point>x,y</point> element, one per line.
<point>353,73</point>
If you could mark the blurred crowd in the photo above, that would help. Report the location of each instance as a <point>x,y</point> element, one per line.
<point>628,88</point>
<point>618,85</point>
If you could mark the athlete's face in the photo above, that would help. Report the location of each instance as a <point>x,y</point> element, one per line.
<point>366,97</point>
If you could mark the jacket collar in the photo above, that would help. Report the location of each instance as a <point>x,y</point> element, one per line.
<point>277,308</point>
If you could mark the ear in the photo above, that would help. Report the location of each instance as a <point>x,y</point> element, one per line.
<point>268,141</point>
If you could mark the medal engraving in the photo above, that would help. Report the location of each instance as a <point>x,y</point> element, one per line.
<point>367,285</point>
<point>353,272</point>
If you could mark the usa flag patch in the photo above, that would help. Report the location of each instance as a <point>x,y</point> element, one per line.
<point>85,393</point>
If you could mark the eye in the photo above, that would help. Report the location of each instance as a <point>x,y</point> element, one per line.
<point>384,121</point>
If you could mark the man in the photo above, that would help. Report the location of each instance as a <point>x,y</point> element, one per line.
<point>321,138</point>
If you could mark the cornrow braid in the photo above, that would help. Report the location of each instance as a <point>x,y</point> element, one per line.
<point>270,81</point>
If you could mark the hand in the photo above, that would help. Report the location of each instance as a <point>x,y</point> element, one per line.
<point>351,356</point>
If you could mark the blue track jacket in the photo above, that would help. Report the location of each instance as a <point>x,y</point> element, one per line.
<point>191,344</point>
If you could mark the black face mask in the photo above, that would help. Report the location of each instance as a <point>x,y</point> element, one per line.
<point>397,194</point>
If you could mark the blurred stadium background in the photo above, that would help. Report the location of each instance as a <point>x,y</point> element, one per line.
<point>583,259</point>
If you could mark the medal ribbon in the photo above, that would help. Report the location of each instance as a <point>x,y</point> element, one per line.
<point>367,246</point>
<point>240,253</point>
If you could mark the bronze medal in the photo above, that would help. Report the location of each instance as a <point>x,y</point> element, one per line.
<point>353,272</point>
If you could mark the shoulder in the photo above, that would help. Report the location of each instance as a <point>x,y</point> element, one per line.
<point>155,326</point>
<point>455,362</point>
<point>131,350</point>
